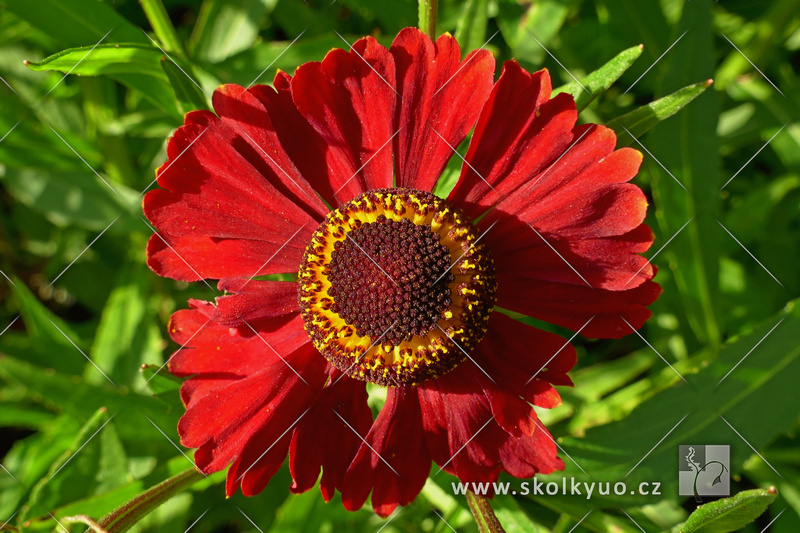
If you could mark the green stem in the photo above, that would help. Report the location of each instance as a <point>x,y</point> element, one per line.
<point>129,513</point>
<point>484,514</point>
<point>428,10</point>
<point>157,16</point>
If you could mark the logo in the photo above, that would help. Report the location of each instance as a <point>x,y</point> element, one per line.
<point>704,470</point>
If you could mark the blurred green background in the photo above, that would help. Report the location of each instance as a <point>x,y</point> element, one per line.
<point>82,133</point>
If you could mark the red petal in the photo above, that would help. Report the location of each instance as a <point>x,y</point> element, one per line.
<point>572,306</point>
<point>303,144</point>
<point>266,404</point>
<point>348,397</point>
<point>518,134</point>
<point>250,300</point>
<point>397,438</point>
<point>349,98</point>
<point>217,216</point>
<point>440,96</point>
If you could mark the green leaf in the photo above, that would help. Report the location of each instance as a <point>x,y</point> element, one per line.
<point>601,79</point>
<point>189,95</point>
<point>159,380</point>
<point>729,514</point>
<point>104,59</point>
<point>641,120</point>
<point>132,64</point>
<point>162,26</point>
<point>225,27</point>
<point>95,463</point>
<point>70,198</point>
<point>471,30</point>
<point>126,337</point>
<point>689,147</point>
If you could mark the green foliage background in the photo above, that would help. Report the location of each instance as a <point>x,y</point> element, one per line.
<point>82,133</point>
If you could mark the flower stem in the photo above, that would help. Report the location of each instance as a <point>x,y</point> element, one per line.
<point>428,10</point>
<point>129,513</point>
<point>484,514</point>
<point>157,16</point>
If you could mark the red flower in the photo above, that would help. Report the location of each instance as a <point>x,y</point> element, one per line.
<point>395,286</point>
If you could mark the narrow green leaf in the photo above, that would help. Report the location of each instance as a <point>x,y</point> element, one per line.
<point>689,147</point>
<point>471,30</point>
<point>641,120</point>
<point>104,59</point>
<point>126,336</point>
<point>593,85</point>
<point>188,95</point>
<point>226,27</point>
<point>729,514</point>
<point>162,26</point>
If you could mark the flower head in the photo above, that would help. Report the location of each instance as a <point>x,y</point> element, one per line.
<point>329,174</point>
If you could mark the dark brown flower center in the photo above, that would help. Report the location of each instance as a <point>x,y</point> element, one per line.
<point>395,287</point>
